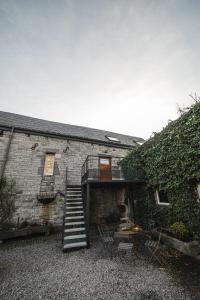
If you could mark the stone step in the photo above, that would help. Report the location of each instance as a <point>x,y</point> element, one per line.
<point>74,245</point>
<point>75,229</point>
<point>74,237</point>
<point>74,218</point>
<point>74,223</point>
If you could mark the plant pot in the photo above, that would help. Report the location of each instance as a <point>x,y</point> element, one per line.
<point>46,198</point>
<point>5,235</point>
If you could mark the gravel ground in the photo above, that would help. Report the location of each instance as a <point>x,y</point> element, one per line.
<point>38,269</point>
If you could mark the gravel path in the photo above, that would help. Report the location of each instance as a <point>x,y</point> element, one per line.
<point>38,269</point>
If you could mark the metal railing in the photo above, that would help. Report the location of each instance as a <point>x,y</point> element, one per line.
<point>64,206</point>
<point>91,169</point>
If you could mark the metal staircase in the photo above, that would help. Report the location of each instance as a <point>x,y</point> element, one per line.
<point>74,223</point>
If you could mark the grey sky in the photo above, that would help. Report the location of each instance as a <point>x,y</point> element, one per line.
<point>119,65</point>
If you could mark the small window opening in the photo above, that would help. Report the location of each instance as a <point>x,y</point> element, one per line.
<point>161,197</point>
<point>49,164</point>
<point>112,139</point>
<point>104,161</point>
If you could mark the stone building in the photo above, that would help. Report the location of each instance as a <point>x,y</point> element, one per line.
<point>51,162</point>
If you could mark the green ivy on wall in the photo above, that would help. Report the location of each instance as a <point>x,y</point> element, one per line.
<point>171,162</point>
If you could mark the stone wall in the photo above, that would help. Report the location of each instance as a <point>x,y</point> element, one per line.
<point>26,162</point>
<point>105,202</point>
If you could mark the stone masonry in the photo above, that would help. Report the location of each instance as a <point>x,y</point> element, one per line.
<point>26,163</point>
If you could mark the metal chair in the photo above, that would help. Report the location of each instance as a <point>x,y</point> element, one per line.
<point>125,252</point>
<point>125,248</point>
<point>155,249</point>
<point>107,238</point>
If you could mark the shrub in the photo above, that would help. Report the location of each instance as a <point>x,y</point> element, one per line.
<point>7,198</point>
<point>179,230</point>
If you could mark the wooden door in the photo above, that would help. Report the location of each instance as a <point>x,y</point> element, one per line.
<point>105,168</point>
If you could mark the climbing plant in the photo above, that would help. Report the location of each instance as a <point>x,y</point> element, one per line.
<point>7,202</point>
<point>171,162</point>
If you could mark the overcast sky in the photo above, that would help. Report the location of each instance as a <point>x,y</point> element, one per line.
<point>119,65</point>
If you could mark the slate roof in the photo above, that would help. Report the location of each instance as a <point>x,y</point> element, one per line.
<point>24,123</point>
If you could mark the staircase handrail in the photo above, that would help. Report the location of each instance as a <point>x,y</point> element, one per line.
<point>64,206</point>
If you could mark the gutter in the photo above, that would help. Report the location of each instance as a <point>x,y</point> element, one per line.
<point>69,137</point>
<point>6,156</point>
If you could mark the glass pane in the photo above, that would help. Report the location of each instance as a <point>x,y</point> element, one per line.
<point>104,161</point>
<point>49,164</point>
<point>163,197</point>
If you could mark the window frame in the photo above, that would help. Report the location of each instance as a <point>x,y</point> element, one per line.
<point>45,159</point>
<point>157,197</point>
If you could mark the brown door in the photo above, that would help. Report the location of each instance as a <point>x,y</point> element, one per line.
<point>105,168</point>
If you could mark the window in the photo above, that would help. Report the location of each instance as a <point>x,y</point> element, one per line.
<point>104,161</point>
<point>161,197</point>
<point>49,164</point>
<point>112,139</point>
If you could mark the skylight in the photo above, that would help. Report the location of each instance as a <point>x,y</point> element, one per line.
<point>112,139</point>
<point>138,142</point>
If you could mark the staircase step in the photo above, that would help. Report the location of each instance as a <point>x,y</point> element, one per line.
<point>74,237</point>
<point>74,223</point>
<point>74,245</point>
<point>74,193</point>
<point>74,212</point>
<point>73,207</point>
<point>74,218</point>
<point>74,202</point>
<point>75,229</point>
<point>74,199</point>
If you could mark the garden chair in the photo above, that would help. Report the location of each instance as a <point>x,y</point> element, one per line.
<point>151,224</point>
<point>125,252</point>
<point>155,249</point>
<point>125,248</point>
<point>107,238</point>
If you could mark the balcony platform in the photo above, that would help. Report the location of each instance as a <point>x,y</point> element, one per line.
<point>92,172</point>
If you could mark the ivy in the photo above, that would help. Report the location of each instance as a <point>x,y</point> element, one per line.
<point>171,161</point>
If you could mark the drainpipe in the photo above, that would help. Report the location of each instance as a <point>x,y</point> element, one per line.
<point>6,153</point>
